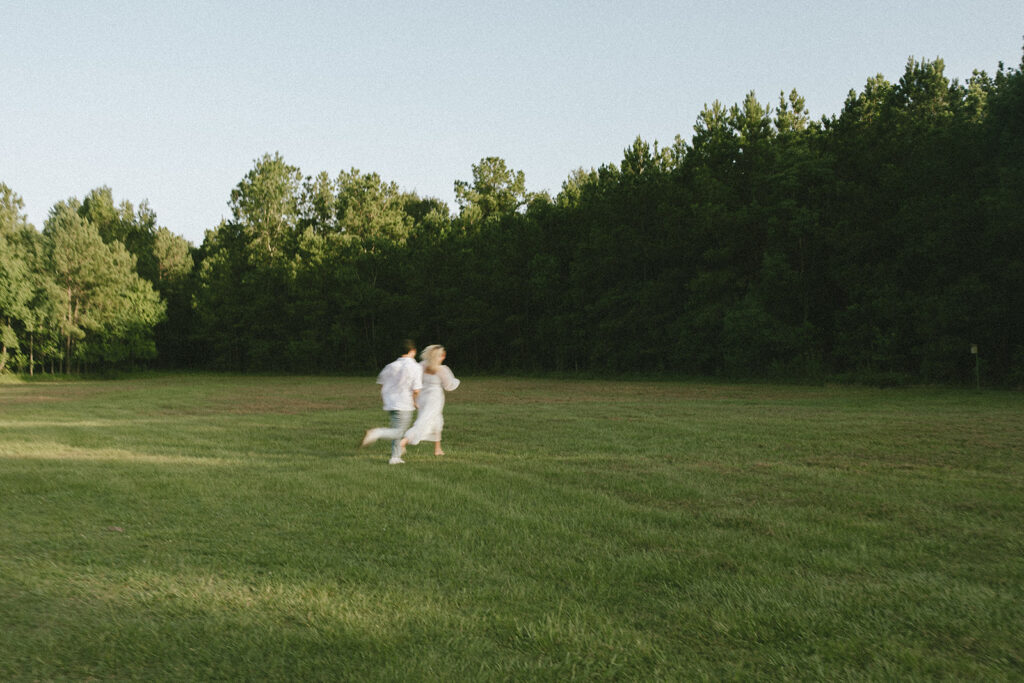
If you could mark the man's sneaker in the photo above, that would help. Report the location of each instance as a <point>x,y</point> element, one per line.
<point>368,438</point>
<point>396,461</point>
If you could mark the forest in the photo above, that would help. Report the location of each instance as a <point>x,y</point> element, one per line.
<point>882,244</point>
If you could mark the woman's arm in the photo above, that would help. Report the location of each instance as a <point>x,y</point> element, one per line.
<point>448,379</point>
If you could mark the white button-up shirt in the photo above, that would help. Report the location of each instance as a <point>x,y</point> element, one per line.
<point>398,380</point>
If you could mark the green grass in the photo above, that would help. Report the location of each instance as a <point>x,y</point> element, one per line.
<point>205,527</point>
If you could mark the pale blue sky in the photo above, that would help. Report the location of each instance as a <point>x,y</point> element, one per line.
<point>173,101</point>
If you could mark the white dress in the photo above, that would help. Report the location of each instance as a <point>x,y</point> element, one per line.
<point>430,419</point>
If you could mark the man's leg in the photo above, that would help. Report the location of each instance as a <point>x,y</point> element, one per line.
<point>400,421</point>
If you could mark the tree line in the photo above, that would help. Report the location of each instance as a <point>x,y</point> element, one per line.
<point>878,244</point>
<point>89,290</point>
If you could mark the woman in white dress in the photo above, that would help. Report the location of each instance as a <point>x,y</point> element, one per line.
<point>437,379</point>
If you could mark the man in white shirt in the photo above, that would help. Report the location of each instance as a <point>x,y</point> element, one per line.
<point>400,383</point>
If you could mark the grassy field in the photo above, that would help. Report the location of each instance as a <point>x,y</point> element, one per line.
<point>205,527</point>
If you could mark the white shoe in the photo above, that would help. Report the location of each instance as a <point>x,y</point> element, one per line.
<point>396,461</point>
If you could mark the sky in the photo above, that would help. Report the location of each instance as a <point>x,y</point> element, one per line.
<point>172,102</point>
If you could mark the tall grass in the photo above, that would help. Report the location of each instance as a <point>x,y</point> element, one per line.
<point>214,527</point>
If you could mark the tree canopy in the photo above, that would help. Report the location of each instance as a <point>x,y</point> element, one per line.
<point>879,244</point>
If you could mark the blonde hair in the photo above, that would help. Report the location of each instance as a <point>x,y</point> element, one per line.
<point>431,357</point>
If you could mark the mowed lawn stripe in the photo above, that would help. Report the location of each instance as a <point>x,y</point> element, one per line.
<point>200,527</point>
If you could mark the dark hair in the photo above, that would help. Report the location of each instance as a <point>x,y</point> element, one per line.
<point>408,345</point>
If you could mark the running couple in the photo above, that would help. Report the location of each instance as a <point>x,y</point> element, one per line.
<point>406,385</point>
